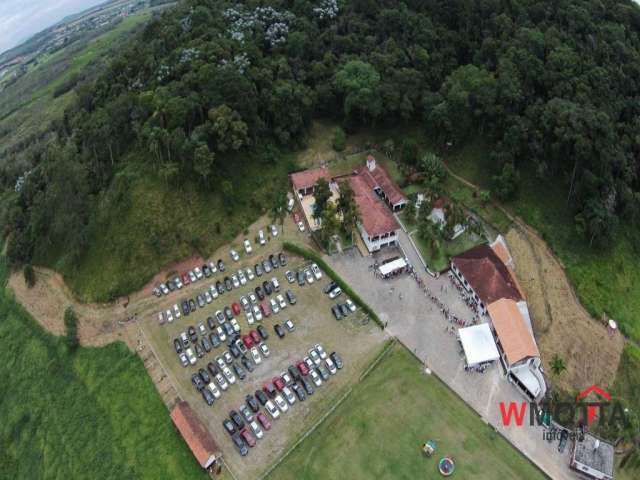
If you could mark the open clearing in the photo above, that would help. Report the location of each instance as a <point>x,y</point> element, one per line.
<point>377,432</point>
<point>562,326</point>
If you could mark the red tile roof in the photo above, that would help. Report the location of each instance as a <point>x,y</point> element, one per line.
<point>308,178</point>
<point>198,438</point>
<point>377,219</point>
<point>511,329</point>
<point>378,177</point>
<point>487,274</point>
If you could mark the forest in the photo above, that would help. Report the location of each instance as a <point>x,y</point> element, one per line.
<point>210,84</point>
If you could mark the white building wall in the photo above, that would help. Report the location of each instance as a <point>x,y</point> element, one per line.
<point>375,245</point>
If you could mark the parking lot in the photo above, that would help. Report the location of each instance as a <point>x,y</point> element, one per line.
<point>354,338</point>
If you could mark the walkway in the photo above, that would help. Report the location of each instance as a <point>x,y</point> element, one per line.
<point>419,325</point>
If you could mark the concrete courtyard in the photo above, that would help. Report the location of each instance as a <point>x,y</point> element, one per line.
<point>418,323</point>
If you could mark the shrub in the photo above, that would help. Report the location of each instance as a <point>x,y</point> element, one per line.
<point>339,139</point>
<point>314,257</point>
<point>29,275</point>
<point>71,326</point>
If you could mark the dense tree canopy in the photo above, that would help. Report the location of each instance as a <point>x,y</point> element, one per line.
<point>553,84</point>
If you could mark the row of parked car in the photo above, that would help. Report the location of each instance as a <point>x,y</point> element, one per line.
<point>244,354</point>
<point>235,280</point>
<point>248,424</point>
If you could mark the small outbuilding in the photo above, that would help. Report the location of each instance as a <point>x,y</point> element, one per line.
<point>198,438</point>
<point>593,458</point>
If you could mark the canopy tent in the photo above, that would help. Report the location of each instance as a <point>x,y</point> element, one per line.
<point>394,266</point>
<point>478,344</point>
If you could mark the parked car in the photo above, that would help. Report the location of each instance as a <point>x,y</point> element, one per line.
<point>252,403</point>
<point>261,396</point>
<point>309,276</point>
<point>336,312</point>
<point>273,260</point>
<point>214,390</point>
<point>323,372</point>
<point>257,314</point>
<point>255,355</point>
<point>344,310</point>
<point>235,325</point>
<point>301,226</point>
<point>269,389</point>
<point>330,286</point>
<point>279,330</point>
<point>266,286</point>
<point>272,409</point>
<point>197,381</point>
<point>213,369</point>
<point>274,230</point>
<point>178,281</point>
<point>239,371</point>
<point>201,301</point>
<point>183,359</point>
<point>294,372</point>
<point>199,350</point>
<point>350,305</point>
<point>291,297</point>
<point>275,307</point>
<point>320,349</point>
<point>192,276</point>
<point>227,284</point>
<point>206,270</point>
<point>315,378</point>
<point>236,308</point>
<point>299,391</point>
<point>300,276</point>
<point>235,280</point>
<point>275,284</point>
<point>313,355</point>
<point>193,336</point>
<point>198,273</point>
<point>245,303</point>
<point>205,344</point>
<point>265,309</point>
<point>246,363</point>
<point>234,255</point>
<point>207,396</point>
<point>303,368</point>
<point>241,277</point>
<point>184,339</point>
<point>177,344</point>
<point>220,287</point>
<point>259,292</point>
<point>288,395</point>
<point>257,431</point>
<point>266,266</point>
<point>222,382</point>
<point>246,413</point>
<point>186,280</point>
<point>282,259</point>
<point>290,276</point>
<point>335,293</point>
<point>264,349</point>
<point>240,444</point>
<point>207,297</point>
<point>263,332</point>
<point>264,421</point>
<point>247,246</point>
<point>316,271</point>
<point>192,305</point>
<point>220,265</point>
<point>258,269</point>
<point>278,383</point>
<point>204,375</point>
<point>289,325</point>
<point>248,437</point>
<point>331,366</point>
<point>282,405</point>
<point>229,426</point>
<point>308,387</point>
<point>261,238</point>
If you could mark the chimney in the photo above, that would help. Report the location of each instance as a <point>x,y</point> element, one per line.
<point>371,163</point>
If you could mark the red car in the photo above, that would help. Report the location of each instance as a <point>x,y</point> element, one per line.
<point>248,437</point>
<point>248,341</point>
<point>296,217</point>
<point>278,382</point>
<point>304,370</point>
<point>264,421</point>
<point>255,336</point>
<point>265,309</point>
<point>185,279</point>
<point>270,390</point>
<point>236,309</point>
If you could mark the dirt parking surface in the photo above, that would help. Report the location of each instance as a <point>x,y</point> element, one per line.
<point>562,326</point>
<point>356,341</point>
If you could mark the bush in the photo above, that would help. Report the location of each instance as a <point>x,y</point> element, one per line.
<point>339,139</point>
<point>314,257</point>
<point>29,275</point>
<point>71,325</point>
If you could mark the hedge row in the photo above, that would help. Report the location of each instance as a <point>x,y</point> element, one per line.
<point>314,257</point>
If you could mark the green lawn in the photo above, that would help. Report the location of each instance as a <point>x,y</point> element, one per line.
<point>378,430</point>
<point>438,260</point>
<point>92,414</point>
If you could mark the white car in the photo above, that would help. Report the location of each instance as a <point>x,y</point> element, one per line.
<point>257,313</point>
<point>255,355</point>
<point>316,271</point>
<point>164,289</point>
<point>272,409</point>
<point>261,239</point>
<point>202,328</point>
<point>234,324</point>
<point>257,431</point>
<point>234,255</point>
<point>276,284</point>
<point>176,311</point>
<point>250,274</point>
<point>220,362</point>
<point>198,273</point>
<point>169,316</point>
<point>250,319</point>
<point>191,356</point>
<point>222,383</point>
<point>290,203</point>
<point>228,375</point>
<point>192,276</point>
<point>221,335</point>
<point>207,297</point>
<point>350,305</point>
<point>309,363</point>
<point>235,281</point>
<point>309,276</point>
<point>183,359</point>
<point>213,267</point>
<point>313,355</point>
<point>315,377</point>
<point>275,308</point>
<point>288,324</point>
<point>242,278</point>
<point>320,349</point>
<point>301,226</point>
<point>213,291</point>
<point>288,394</point>
<point>282,405</point>
<point>161,319</point>
<point>274,230</point>
<point>184,338</point>
<point>247,246</point>
<point>264,349</point>
<point>214,390</point>
<point>281,301</point>
<point>178,282</point>
<point>331,366</point>
<point>335,292</point>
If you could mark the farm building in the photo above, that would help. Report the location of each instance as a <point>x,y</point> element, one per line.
<point>198,438</point>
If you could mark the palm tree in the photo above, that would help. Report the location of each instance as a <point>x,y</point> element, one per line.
<point>557,365</point>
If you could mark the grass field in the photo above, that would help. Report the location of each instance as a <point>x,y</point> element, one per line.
<point>378,430</point>
<point>143,224</point>
<point>94,413</point>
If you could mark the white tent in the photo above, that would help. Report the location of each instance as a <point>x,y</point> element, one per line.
<point>478,344</point>
<point>397,264</point>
